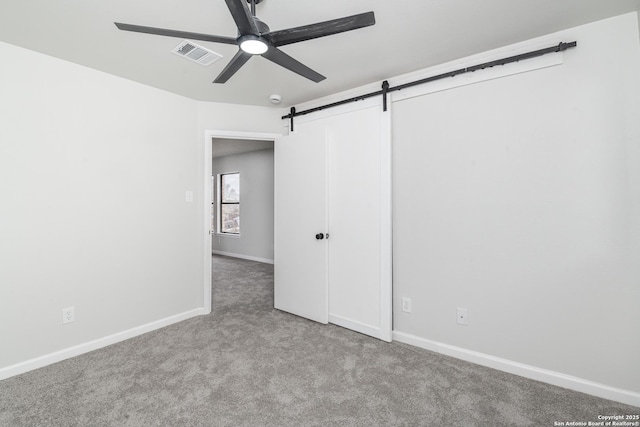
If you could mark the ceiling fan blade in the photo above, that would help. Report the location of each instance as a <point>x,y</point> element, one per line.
<point>174,33</point>
<point>321,29</point>
<point>279,57</point>
<point>242,16</point>
<point>233,66</point>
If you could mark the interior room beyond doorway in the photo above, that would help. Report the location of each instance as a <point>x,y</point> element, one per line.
<point>248,166</point>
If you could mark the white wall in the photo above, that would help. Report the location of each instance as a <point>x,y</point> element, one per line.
<point>256,205</point>
<point>93,175</point>
<point>519,199</point>
<point>232,117</point>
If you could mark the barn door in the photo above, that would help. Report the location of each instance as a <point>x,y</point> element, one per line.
<point>301,224</point>
<point>333,178</point>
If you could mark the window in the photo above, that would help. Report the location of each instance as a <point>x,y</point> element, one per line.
<point>213,204</point>
<point>229,202</point>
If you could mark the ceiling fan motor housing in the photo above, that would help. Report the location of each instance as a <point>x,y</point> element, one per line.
<point>262,27</point>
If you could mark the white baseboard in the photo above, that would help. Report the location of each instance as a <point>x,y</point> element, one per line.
<point>527,371</point>
<point>372,331</point>
<point>58,356</point>
<point>249,257</point>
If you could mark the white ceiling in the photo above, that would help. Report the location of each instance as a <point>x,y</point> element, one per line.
<point>409,35</point>
<point>226,147</point>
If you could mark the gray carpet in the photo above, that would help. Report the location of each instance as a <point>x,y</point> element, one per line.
<point>247,364</point>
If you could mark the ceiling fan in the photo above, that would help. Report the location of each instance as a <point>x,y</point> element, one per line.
<point>255,38</point>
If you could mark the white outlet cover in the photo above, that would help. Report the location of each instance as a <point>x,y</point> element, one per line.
<point>188,196</point>
<point>406,305</point>
<point>68,315</point>
<point>462,316</point>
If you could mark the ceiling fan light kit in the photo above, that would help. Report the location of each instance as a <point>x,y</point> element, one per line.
<point>253,45</point>
<point>255,38</point>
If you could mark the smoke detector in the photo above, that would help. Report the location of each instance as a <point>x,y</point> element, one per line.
<point>275,98</point>
<point>196,53</point>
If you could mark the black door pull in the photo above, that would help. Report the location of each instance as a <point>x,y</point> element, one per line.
<point>319,236</point>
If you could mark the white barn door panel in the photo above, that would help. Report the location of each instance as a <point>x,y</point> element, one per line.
<point>334,170</point>
<point>300,265</point>
<point>355,297</point>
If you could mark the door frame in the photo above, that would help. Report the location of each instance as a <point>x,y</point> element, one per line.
<point>209,135</point>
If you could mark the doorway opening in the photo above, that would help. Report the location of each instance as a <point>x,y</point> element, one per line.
<point>240,222</point>
<point>242,199</point>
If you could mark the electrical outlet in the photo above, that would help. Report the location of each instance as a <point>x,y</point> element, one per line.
<point>406,305</point>
<point>68,315</point>
<point>462,316</point>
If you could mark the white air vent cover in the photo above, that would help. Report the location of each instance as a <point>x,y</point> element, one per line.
<point>195,53</point>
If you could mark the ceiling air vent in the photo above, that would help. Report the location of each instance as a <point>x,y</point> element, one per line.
<point>196,53</point>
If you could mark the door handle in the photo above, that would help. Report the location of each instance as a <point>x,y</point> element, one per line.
<point>319,236</point>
